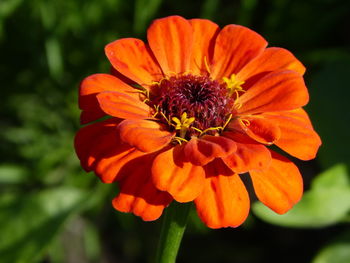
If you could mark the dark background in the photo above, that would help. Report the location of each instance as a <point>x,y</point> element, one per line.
<point>51,211</point>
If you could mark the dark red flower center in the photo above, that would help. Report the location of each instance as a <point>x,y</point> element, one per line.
<point>200,97</point>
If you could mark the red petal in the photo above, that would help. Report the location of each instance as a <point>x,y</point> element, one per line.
<point>204,35</point>
<point>99,148</point>
<point>249,154</point>
<point>93,85</point>
<point>137,194</point>
<point>201,151</point>
<point>235,46</point>
<point>224,201</point>
<point>279,187</point>
<point>171,41</point>
<point>92,133</point>
<point>278,91</point>
<point>145,135</point>
<point>174,174</point>
<point>271,59</point>
<point>89,116</point>
<point>122,106</point>
<point>258,128</point>
<point>134,59</point>
<point>298,138</point>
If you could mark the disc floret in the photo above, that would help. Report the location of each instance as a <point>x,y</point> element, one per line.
<point>192,105</point>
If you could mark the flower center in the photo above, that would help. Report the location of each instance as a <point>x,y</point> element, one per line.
<point>193,105</point>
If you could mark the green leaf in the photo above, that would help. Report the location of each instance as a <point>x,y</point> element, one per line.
<point>7,7</point>
<point>338,251</point>
<point>91,242</point>
<point>335,253</point>
<point>317,209</point>
<point>327,203</point>
<point>12,174</point>
<point>28,223</point>
<point>335,177</point>
<point>54,57</point>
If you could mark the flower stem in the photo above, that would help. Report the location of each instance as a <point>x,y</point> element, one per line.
<point>173,228</point>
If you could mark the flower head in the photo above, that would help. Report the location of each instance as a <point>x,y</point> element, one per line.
<point>189,112</point>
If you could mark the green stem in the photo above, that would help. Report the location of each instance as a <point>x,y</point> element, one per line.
<point>173,228</point>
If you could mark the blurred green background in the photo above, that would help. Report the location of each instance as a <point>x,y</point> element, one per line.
<point>53,212</point>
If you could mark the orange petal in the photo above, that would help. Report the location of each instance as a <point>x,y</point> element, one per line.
<point>137,194</point>
<point>201,151</point>
<point>122,106</point>
<point>277,91</point>
<point>171,41</point>
<point>224,201</point>
<point>271,59</point>
<point>174,174</point>
<point>145,135</point>
<point>204,35</point>
<point>249,154</point>
<point>99,148</point>
<point>93,85</point>
<point>134,59</point>
<point>108,169</point>
<point>298,137</point>
<point>258,128</point>
<point>279,187</point>
<point>235,46</point>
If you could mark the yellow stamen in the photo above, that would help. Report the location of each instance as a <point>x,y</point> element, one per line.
<point>158,83</point>
<point>237,105</point>
<point>165,117</point>
<point>233,85</point>
<point>179,140</point>
<point>196,129</point>
<point>212,129</point>
<point>206,64</point>
<point>227,121</point>
<point>183,124</point>
<point>143,91</point>
<point>218,129</point>
<point>245,122</point>
<point>156,107</point>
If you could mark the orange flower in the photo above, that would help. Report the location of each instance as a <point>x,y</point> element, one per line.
<point>190,111</point>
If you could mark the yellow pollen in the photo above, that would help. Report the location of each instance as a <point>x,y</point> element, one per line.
<point>233,85</point>
<point>183,124</point>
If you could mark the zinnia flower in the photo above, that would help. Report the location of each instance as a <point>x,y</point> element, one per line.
<point>192,111</point>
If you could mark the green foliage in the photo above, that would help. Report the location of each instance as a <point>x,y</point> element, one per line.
<point>338,251</point>
<point>334,253</point>
<point>30,221</point>
<point>144,11</point>
<point>329,106</point>
<point>326,203</point>
<point>12,174</point>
